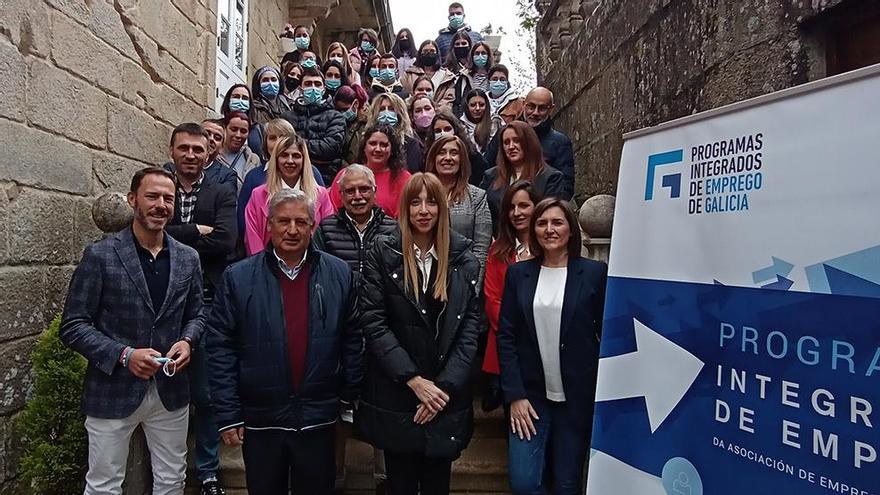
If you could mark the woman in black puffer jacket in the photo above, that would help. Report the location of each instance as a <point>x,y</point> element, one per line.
<point>421,324</point>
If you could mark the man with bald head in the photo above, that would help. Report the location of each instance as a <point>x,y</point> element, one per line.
<point>558,152</point>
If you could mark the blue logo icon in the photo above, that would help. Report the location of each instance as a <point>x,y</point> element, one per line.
<point>671,181</point>
<point>680,477</point>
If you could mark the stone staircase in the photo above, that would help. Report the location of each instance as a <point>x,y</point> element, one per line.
<point>481,469</point>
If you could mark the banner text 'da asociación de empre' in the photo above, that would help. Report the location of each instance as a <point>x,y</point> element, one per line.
<point>741,344</point>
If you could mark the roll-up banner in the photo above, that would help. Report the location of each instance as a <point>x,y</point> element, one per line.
<point>741,346</point>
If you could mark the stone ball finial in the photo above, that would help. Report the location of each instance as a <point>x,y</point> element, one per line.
<point>596,216</point>
<point>111,212</point>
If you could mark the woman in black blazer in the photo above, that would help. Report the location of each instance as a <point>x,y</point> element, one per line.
<point>548,346</point>
<point>521,158</point>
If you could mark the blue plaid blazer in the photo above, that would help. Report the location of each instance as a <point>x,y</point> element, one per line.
<point>108,307</point>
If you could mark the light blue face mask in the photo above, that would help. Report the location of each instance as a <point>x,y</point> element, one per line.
<point>313,96</point>
<point>387,75</point>
<point>237,105</point>
<point>497,88</point>
<point>481,60</point>
<point>349,115</point>
<point>309,63</point>
<point>374,72</point>
<point>456,21</point>
<point>270,89</point>
<point>333,84</point>
<point>367,47</point>
<point>302,42</point>
<point>388,117</point>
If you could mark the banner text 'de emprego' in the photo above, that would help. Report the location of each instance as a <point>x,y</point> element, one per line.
<point>741,345</point>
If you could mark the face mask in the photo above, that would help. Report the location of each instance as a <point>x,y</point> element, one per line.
<point>429,95</point>
<point>438,135</point>
<point>374,72</point>
<point>309,63</point>
<point>481,60</point>
<point>339,60</point>
<point>237,105</point>
<point>302,42</point>
<point>404,44</point>
<point>291,84</point>
<point>497,88</point>
<point>387,75</point>
<point>461,52</point>
<point>388,117</point>
<point>313,96</point>
<point>333,84</point>
<point>424,120</point>
<point>367,47</point>
<point>349,115</point>
<point>270,89</point>
<point>428,59</point>
<point>456,21</point>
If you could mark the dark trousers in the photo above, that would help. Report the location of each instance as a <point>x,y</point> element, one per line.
<point>277,460</point>
<point>560,447</point>
<point>207,459</point>
<point>413,474</point>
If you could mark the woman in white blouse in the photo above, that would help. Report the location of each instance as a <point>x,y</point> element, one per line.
<point>548,347</point>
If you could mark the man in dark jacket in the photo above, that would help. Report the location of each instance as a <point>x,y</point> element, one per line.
<point>204,219</point>
<point>558,152</point>
<point>456,24</point>
<point>284,350</point>
<point>215,170</point>
<point>316,119</point>
<point>350,233</point>
<point>134,302</point>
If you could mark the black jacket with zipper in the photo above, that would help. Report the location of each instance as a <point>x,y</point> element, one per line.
<point>248,366</point>
<point>402,343</point>
<point>336,235</point>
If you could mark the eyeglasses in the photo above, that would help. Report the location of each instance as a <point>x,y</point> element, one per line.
<point>364,190</point>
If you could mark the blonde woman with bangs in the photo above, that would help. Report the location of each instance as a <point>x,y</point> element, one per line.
<point>289,168</point>
<point>420,317</point>
<point>389,109</point>
<point>338,52</point>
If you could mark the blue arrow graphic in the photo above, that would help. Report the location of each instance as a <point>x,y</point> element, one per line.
<point>781,283</point>
<point>779,267</point>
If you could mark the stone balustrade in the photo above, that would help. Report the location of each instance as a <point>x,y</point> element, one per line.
<point>596,218</point>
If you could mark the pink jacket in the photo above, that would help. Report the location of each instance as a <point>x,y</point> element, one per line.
<point>256,216</point>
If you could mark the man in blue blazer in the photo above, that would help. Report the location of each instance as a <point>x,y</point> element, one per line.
<point>133,310</point>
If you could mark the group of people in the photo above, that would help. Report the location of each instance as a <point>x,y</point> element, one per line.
<point>348,248</point>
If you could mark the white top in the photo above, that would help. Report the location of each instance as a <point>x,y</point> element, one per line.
<point>547,308</point>
<point>425,263</point>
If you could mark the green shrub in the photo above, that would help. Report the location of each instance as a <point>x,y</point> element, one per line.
<point>55,456</point>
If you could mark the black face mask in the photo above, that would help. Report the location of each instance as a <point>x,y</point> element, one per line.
<point>404,44</point>
<point>291,84</point>
<point>461,52</point>
<point>428,59</point>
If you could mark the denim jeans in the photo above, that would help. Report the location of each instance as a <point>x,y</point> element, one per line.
<point>207,459</point>
<point>568,446</point>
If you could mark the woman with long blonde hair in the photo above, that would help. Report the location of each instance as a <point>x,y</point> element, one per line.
<point>289,168</point>
<point>421,320</point>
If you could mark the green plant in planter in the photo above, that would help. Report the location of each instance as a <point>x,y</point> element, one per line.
<point>55,456</point>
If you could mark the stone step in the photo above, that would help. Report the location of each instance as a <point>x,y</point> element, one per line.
<point>482,467</point>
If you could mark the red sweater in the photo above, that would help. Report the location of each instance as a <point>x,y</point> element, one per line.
<point>295,298</point>
<point>493,288</point>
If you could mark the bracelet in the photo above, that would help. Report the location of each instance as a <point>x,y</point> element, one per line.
<point>127,356</point>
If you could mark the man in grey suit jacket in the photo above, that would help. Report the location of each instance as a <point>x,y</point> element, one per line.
<point>133,310</point>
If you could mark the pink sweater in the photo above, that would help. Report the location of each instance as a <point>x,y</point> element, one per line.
<point>256,216</point>
<point>387,192</point>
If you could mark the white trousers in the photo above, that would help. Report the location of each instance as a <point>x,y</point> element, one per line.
<point>109,440</point>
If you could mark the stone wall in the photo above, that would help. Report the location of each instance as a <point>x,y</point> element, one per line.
<point>620,65</point>
<point>89,92</point>
<point>267,19</point>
